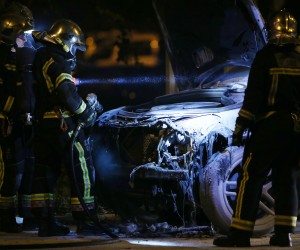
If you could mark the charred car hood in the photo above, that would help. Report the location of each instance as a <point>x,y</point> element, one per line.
<point>201,35</point>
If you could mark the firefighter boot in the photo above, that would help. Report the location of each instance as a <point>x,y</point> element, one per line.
<point>236,238</point>
<point>281,240</point>
<point>85,224</point>
<point>8,222</point>
<point>30,222</point>
<point>50,227</point>
<point>232,241</point>
<point>86,227</point>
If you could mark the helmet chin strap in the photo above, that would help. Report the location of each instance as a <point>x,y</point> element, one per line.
<point>65,47</point>
<point>73,50</point>
<point>72,63</point>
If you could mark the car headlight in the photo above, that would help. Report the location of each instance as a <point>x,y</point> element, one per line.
<point>175,150</point>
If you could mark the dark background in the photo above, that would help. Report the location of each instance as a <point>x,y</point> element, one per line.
<point>93,14</point>
<point>108,14</point>
<point>114,86</point>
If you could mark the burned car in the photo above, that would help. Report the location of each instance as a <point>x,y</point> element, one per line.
<point>171,159</point>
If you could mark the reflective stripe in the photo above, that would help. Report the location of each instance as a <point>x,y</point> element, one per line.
<point>285,220</point>
<point>62,77</point>
<point>246,114</point>
<point>11,67</point>
<point>75,201</point>
<point>273,90</point>
<point>239,200</point>
<point>9,103</point>
<point>49,83</point>
<point>53,114</point>
<point>267,115</point>
<point>26,200</point>
<point>42,196</point>
<point>275,72</point>
<point>87,200</point>
<point>65,47</point>
<point>1,167</point>
<point>81,108</point>
<point>85,171</point>
<point>2,116</point>
<point>19,83</point>
<point>242,224</point>
<point>42,200</point>
<point>8,202</point>
<point>238,127</point>
<point>284,71</point>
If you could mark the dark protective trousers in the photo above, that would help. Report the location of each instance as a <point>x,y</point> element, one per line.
<point>53,152</point>
<point>273,146</point>
<point>16,171</point>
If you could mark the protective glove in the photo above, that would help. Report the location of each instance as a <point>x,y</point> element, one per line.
<point>87,117</point>
<point>94,103</point>
<point>241,125</point>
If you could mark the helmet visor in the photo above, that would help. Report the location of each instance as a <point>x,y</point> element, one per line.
<point>80,44</point>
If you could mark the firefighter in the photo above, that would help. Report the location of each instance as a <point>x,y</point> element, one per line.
<point>25,12</point>
<point>59,110</point>
<point>271,111</point>
<point>17,106</point>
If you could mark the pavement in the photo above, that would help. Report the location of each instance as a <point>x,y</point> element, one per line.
<point>30,240</point>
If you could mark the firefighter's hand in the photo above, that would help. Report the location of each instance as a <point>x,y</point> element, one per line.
<point>88,117</point>
<point>91,120</point>
<point>241,126</point>
<point>237,136</point>
<point>94,103</point>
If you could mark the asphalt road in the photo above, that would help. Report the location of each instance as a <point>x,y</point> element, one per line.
<point>29,240</point>
<point>68,243</point>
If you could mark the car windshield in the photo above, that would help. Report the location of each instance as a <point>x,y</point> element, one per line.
<point>231,77</point>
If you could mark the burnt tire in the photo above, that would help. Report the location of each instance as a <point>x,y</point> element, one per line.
<point>218,185</point>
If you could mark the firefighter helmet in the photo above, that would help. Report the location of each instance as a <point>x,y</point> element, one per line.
<point>67,34</point>
<point>11,27</point>
<point>283,28</point>
<point>23,11</point>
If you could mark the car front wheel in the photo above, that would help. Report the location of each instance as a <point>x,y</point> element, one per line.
<point>218,186</point>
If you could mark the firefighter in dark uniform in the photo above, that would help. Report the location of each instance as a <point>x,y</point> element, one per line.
<point>59,110</point>
<point>16,108</point>
<point>271,110</point>
<point>25,12</point>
